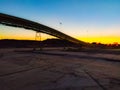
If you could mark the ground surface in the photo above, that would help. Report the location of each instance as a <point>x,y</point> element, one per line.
<point>56,70</point>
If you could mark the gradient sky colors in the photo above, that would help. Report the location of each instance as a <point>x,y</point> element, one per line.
<point>87,20</point>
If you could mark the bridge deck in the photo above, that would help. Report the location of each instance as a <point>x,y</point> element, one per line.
<point>27,24</point>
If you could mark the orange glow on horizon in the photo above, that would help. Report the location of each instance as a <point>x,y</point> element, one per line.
<point>7,32</point>
<point>25,37</point>
<point>104,40</point>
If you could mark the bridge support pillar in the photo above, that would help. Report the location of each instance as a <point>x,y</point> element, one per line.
<point>38,38</point>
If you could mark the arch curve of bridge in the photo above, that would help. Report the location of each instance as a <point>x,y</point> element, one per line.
<point>27,24</point>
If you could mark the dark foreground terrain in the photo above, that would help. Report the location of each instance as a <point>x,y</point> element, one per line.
<point>58,70</point>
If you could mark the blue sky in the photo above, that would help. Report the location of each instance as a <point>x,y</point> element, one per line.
<point>80,18</point>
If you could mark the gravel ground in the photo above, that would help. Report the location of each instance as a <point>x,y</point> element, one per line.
<point>57,70</point>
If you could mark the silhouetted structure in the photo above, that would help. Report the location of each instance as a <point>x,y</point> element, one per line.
<point>27,24</point>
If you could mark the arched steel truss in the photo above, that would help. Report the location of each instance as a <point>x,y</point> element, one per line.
<point>27,24</point>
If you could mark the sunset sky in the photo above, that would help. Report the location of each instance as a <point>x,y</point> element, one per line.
<point>86,20</point>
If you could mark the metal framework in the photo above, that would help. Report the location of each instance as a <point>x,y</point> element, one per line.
<point>27,24</point>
